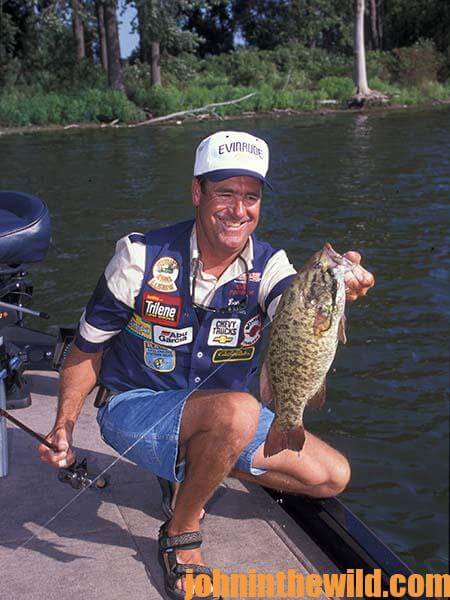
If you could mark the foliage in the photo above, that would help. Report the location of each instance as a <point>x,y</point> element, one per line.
<point>38,108</point>
<point>416,64</point>
<point>293,53</point>
<point>159,21</point>
<point>312,23</point>
<point>214,24</point>
<point>338,88</point>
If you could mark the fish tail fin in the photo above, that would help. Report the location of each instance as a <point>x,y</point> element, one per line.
<point>278,439</point>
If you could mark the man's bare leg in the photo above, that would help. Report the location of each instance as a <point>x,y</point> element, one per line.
<point>215,428</point>
<point>318,470</point>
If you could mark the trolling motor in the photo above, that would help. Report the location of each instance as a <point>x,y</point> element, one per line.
<point>24,238</point>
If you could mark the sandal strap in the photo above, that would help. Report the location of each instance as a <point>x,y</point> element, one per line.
<point>179,570</point>
<point>183,541</point>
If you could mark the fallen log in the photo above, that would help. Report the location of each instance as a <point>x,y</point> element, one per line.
<point>192,111</point>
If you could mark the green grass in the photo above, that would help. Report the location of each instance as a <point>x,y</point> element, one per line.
<point>93,105</point>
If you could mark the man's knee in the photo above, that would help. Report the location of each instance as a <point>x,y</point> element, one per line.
<point>339,474</point>
<point>232,416</point>
<point>237,417</point>
<point>328,478</point>
<point>228,415</point>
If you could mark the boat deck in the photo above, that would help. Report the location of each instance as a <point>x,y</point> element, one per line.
<point>104,543</point>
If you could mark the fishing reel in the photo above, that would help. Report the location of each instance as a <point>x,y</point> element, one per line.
<point>77,476</point>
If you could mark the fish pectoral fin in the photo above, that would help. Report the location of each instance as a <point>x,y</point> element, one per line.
<point>322,323</point>
<point>283,439</point>
<point>318,400</point>
<point>341,330</point>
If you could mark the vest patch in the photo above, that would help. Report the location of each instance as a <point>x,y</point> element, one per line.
<point>165,273</point>
<point>172,337</point>
<point>222,355</point>
<point>161,309</point>
<point>254,276</point>
<point>138,327</point>
<point>252,331</point>
<point>224,332</point>
<point>159,358</point>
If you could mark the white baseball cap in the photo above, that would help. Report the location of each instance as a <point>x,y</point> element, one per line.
<point>232,153</point>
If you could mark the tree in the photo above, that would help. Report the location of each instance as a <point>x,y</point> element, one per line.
<point>103,48</point>
<point>362,87</point>
<point>115,75</point>
<point>376,27</point>
<point>268,24</point>
<point>78,29</point>
<point>214,24</point>
<point>160,32</point>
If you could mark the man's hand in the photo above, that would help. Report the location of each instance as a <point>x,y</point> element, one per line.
<point>358,281</point>
<point>61,437</point>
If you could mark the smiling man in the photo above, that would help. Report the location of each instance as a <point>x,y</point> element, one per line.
<point>173,334</point>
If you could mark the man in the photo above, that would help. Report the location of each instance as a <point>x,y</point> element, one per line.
<point>173,331</point>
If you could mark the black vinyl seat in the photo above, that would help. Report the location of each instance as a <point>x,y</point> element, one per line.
<point>24,228</point>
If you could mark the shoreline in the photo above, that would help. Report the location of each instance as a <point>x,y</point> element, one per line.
<point>275,113</point>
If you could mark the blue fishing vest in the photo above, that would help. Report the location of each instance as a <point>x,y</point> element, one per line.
<point>169,344</point>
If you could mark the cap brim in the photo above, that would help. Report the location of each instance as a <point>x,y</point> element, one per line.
<point>222,174</point>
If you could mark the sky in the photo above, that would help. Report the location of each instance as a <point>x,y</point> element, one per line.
<point>128,40</point>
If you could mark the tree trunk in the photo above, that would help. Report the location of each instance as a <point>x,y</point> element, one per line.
<point>78,30</point>
<point>144,50</point>
<point>374,25</point>
<point>115,76</point>
<point>362,88</point>
<point>102,34</point>
<point>156,67</point>
<point>380,22</point>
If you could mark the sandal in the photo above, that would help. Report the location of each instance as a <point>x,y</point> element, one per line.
<point>173,571</point>
<point>167,498</point>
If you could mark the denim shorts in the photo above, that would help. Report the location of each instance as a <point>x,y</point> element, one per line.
<point>144,425</point>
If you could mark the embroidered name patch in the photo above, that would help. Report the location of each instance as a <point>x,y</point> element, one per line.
<point>222,355</point>
<point>159,358</point>
<point>252,331</point>
<point>165,272</point>
<point>224,332</point>
<point>161,309</point>
<point>139,328</point>
<point>172,337</point>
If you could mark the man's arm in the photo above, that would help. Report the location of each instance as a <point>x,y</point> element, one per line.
<point>77,379</point>
<point>107,313</point>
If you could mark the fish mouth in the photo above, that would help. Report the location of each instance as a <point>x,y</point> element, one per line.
<point>333,262</point>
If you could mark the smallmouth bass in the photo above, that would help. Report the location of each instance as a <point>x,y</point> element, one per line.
<point>307,325</point>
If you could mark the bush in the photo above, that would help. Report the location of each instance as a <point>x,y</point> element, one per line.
<point>415,64</point>
<point>337,88</point>
<point>28,108</point>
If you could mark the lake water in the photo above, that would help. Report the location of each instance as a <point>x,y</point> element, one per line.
<point>378,183</point>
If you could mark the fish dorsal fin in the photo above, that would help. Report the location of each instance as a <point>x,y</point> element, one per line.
<point>318,400</point>
<point>341,330</point>
<point>322,322</point>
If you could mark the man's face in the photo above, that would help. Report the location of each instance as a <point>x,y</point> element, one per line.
<point>227,211</point>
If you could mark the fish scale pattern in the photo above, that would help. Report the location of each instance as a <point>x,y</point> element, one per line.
<point>301,352</point>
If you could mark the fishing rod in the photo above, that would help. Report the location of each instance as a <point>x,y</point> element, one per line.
<point>22,309</point>
<point>76,475</point>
